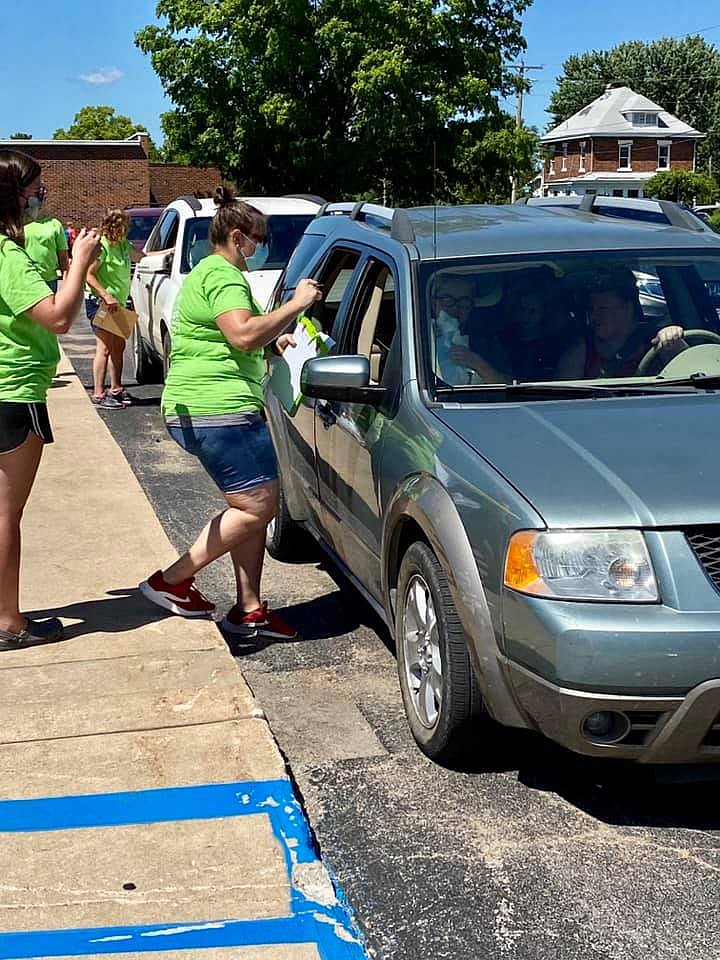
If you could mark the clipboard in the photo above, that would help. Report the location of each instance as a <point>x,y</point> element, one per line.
<point>284,380</point>
<point>120,321</point>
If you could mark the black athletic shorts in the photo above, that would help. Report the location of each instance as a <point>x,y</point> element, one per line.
<point>17,420</point>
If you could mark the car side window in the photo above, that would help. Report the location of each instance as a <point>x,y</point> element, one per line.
<point>165,233</point>
<point>335,277</point>
<point>375,320</point>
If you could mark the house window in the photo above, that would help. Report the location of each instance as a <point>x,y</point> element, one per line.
<point>624,155</point>
<point>633,194</point>
<point>564,156</point>
<point>552,167</point>
<point>582,156</point>
<point>618,193</point>
<point>642,119</point>
<point>663,155</point>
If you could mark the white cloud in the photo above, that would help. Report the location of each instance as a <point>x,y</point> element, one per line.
<point>102,76</point>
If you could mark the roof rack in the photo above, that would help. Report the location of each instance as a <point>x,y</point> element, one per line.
<point>313,198</point>
<point>401,228</point>
<point>676,215</point>
<point>192,202</point>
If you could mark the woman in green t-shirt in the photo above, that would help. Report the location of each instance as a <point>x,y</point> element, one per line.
<point>31,316</point>
<point>213,408</point>
<point>109,281</point>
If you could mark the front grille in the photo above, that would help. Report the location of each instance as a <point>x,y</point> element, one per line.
<point>642,724</point>
<point>705,542</point>
<point>712,737</point>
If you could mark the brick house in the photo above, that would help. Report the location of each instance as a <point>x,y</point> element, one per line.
<point>85,177</point>
<point>614,146</point>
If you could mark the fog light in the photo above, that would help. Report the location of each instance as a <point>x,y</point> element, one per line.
<point>605,726</point>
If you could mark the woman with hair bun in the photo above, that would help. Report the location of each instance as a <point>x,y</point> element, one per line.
<point>109,282</point>
<point>213,408</point>
<point>31,316</point>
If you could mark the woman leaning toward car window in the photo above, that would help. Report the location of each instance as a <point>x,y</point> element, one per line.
<point>31,316</point>
<point>213,407</point>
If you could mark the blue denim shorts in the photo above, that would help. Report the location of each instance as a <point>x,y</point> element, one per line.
<point>91,308</point>
<point>237,458</point>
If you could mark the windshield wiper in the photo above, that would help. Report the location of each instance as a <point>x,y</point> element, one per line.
<point>700,381</point>
<point>561,390</point>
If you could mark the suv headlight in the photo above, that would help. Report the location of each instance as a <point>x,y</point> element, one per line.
<point>605,565</point>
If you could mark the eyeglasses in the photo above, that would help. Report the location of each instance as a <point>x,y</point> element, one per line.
<point>449,303</point>
<point>254,241</point>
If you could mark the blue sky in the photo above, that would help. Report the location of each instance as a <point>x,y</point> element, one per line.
<point>62,55</point>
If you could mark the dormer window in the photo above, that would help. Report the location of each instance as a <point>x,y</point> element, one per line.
<point>642,118</point>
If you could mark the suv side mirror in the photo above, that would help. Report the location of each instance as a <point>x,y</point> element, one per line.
<point>160,263</point>
<point>343,378</point>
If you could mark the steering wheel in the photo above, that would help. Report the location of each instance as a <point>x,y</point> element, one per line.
<point>691,337</point>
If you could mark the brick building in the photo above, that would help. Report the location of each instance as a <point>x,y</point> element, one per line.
<point>85,177</point>
<point>614,146</point>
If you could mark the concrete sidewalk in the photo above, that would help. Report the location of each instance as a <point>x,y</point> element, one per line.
<point>145,805</point>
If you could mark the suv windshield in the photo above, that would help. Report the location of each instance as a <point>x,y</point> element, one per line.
<point>283,232</point>
<point>590,316</point>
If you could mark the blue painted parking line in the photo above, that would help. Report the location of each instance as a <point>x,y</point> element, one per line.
<point>329,926</point>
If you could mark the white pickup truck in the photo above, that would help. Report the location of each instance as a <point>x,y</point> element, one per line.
<point>177,243</point>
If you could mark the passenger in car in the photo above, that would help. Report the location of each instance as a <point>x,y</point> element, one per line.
<point>531,329</point>
<point>618,336</point>
<point>466,347</point>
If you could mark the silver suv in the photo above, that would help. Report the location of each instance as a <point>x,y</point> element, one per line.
<point>517,465</point>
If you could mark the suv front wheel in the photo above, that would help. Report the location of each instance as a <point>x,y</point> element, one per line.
<point>439,689</point>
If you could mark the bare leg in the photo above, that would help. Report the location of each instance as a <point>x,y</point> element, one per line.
<point>103,346</point>
<point>17,473</point>
<point>247,558</point>
<point>117,350</point>
<point>241,526</point>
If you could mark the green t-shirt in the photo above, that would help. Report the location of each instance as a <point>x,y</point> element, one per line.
<point>207,375</point>
<point>43,239</point>
<point>113,271</point>
<point>29,353</point>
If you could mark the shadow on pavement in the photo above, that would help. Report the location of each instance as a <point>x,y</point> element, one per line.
<point>120,611</point>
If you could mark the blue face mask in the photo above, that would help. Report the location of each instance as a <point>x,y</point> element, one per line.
<point>259,258</point>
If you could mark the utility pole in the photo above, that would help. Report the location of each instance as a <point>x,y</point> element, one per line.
<point>522,68</point>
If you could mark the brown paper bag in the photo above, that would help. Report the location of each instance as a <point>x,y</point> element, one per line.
<point>120,322</point>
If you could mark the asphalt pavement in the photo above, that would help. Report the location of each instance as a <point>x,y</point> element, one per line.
<point>550,856</point>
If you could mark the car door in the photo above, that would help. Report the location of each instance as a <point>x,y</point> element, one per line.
<point>335,273</point>
<point>349,436</point>
<point>148,283</point>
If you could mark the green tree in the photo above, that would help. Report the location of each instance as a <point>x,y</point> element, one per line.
<point>102,123</point>
<point>682,76</point>
<point>341,97</point>
<point>21,136</point>
<point>683,186</point>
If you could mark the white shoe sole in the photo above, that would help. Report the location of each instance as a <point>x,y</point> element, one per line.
<point>164,601</point>
<point>252,633</point>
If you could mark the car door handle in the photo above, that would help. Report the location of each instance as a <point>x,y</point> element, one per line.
<point>326,414</point>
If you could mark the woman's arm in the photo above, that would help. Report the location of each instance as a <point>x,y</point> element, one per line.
<point>107,298</point>
<point>246,331</point>
<point>56,313</point>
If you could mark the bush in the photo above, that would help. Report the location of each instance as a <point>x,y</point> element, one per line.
<point>683,186</point>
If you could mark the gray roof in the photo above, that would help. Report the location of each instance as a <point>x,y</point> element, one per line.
<point>517,228</point>
<point>606,117</point>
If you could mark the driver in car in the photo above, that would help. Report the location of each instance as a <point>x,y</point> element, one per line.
<point>618,335</point>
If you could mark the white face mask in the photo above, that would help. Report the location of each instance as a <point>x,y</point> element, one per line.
<point>33,208</point>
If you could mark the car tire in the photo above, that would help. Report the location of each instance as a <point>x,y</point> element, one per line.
<point>147,369</point>
<point>285,540</point>
<point>440,692</point>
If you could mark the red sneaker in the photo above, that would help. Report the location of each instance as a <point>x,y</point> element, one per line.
<point>260,623</point>
<point>182,598</point>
